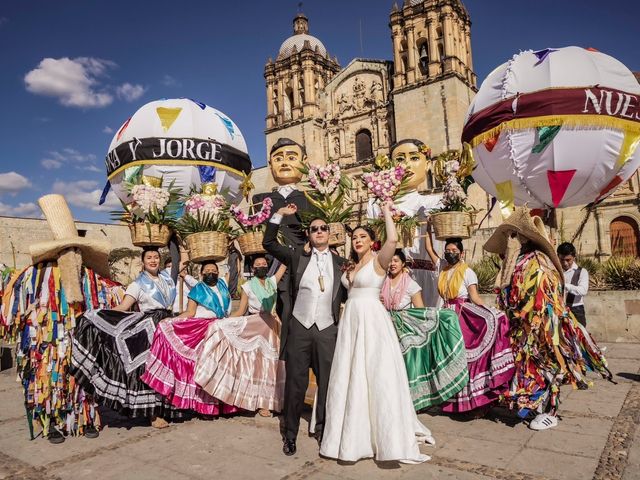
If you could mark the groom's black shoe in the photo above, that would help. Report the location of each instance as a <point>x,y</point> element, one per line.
<point>289,447</point>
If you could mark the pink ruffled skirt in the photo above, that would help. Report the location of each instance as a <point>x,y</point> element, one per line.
<point>171,365</point>
<point>239,362</point>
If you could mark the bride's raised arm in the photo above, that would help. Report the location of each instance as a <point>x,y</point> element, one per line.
<point>388,249</point>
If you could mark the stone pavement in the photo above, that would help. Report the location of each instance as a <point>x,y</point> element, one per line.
<point>597,438</point>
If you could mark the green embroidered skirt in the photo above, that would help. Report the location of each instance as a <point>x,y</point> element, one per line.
<point>434,353</point>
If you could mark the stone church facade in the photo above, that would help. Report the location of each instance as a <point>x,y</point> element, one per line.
<point>354,113</point>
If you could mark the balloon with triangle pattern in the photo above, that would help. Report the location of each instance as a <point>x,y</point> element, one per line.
<point>179,141</point>
<point>554,128</point>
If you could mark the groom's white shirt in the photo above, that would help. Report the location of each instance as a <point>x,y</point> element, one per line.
<point>313,306</point>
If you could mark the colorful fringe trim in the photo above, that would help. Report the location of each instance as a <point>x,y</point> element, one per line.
<point>36,315</point>
<point>551,348</point>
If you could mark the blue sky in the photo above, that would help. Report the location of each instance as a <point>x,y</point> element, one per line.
<point>119,55</point>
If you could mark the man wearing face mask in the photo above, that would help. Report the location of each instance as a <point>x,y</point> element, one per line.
<point>187,281</point>
<point>485,331</point>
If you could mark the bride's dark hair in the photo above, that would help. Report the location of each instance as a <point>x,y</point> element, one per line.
<point>370,232</point>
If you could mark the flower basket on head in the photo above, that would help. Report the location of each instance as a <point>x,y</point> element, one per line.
<point>327,190</point>
<point>455,218</point>
<point>451,224</point>
<point>250,240</point>
<point>149,234</point>
<point>205,246</point>
<point>205,227</point>
<point>151,212</point>
<point>250,243</point>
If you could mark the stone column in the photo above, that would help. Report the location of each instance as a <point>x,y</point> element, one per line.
<point>447,30</point>
<point>309,87</point>
<point>281,96</point>
<point>434,60</point>
<point>398,76</point>
<point>296,91</point>
<point>411,55</point>
<point>269,97</point>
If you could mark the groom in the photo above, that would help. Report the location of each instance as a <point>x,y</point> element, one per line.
<point>308,335</point>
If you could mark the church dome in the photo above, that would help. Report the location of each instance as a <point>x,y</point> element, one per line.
<point>298,41</point>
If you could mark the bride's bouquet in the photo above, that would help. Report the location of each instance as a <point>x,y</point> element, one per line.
<point>387,180</point>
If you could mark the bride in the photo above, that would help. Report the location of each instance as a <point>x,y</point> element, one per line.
<point>369,407</point>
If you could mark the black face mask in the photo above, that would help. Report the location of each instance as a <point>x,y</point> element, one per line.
<point>452,258</point>
<point>210,279</point>
<point>261,272</point>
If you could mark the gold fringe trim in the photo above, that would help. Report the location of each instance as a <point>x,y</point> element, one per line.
<point>555,120</point>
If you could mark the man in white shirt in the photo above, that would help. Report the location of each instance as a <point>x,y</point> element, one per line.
<point>180,303</point>
<point>576,281</point>
<point>308,333</point>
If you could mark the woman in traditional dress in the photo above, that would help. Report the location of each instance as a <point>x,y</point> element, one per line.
<point>485,331</point>
<point>369,409</point>
<point>239,361</point>
<point>177,341</point>
<point>430,338</point>
<point>111,346</point>
<point>551,347</point>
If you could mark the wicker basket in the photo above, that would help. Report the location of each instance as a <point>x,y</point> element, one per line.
<point>207,246</point>
<point>452,224</point>
<point>250,243</point>
<point>149,234</point>
<point>337,234</point>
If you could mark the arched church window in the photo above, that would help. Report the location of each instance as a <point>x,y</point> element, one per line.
<point>625,237</point>
<point>364,149</point>
<point>423,55</point>
<point>301,91</point>
<point>288,103</point>
<point>404,67</point>
<point>276,109</point>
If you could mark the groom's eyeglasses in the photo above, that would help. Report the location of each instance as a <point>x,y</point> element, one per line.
<point>318,228</point>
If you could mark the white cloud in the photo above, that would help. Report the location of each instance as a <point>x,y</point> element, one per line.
<point>23,209</point>
<point>107,129</point>
<point>57,158</point>
<point>50,163</point>
<point>73,82</point>
<point>12,183</point>
<point>86,194</point>
<point>130,92</point>
<point>169,81</point>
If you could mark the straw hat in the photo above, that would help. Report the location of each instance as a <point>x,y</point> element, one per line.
<point>95,253</point>
<point>530,227</point>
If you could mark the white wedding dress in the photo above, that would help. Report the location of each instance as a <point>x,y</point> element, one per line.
<point>369,410</point>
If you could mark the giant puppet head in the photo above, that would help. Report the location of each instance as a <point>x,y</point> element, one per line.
<point>414,156</point>
<point>286,160</point>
